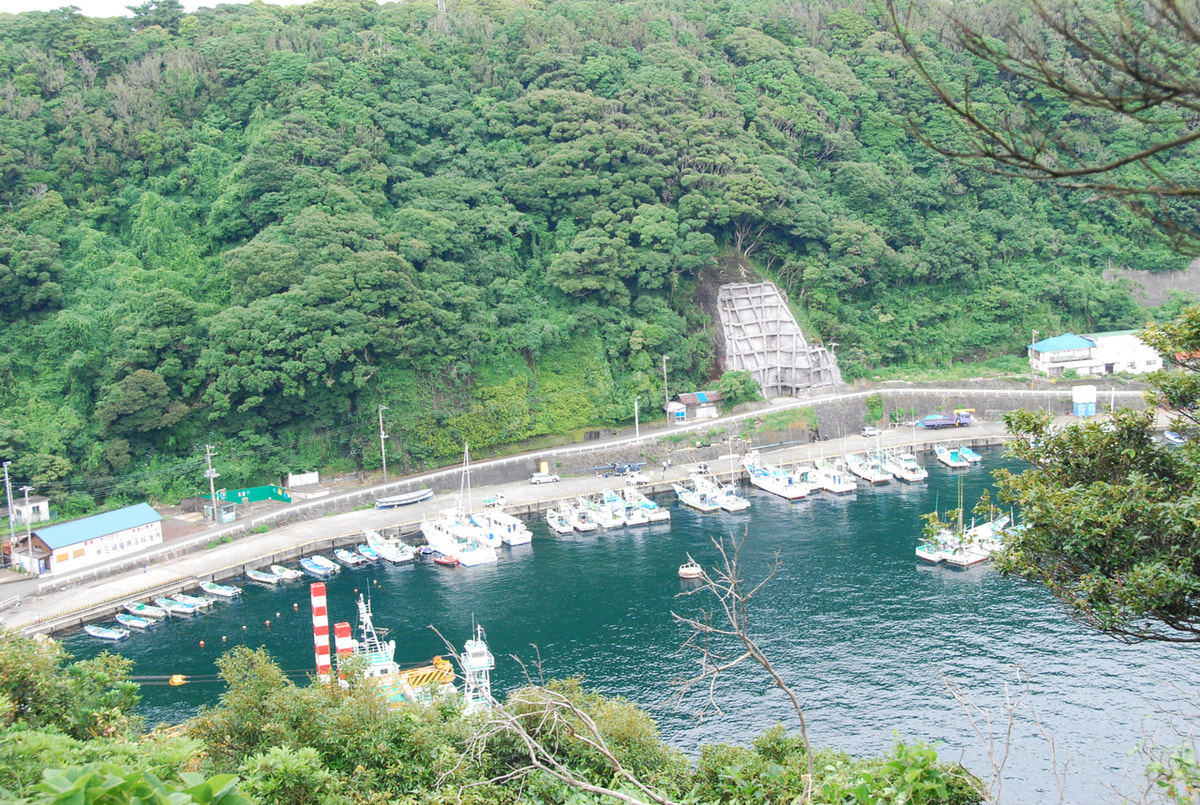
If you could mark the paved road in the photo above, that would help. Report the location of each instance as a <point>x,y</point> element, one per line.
<point>45,604</point>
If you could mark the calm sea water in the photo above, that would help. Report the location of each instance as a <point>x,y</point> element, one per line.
<point>866,635</point>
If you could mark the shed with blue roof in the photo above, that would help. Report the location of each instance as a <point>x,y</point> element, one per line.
<point>695,405</point>
<point>90,540</point>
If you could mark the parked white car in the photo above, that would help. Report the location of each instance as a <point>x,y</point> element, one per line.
<point>543,478</point>
<point>637,479</point>
<point>870,431</point>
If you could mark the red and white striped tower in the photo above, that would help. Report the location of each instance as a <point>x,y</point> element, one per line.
<point>320,630</point>
<point>343,644</point>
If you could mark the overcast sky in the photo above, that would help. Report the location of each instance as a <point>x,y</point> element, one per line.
<point>113,8</point>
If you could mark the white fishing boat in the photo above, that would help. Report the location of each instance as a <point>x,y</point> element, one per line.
<point>695,497</point>
<point>690,570</point>
<point>904,466</point>
<point>635,499</point>
<point>498,523</point>
<point>453,534</point>
<point>404,499</point>
<point>348,557</point>
<point>367,552</point>
<point>581,519</point>
<point>389,549</point>
<point>959,545</point>
<point>263,577</point>
<point>286,573</point>
<point>834,480</point>
<point>175,607</point>
<point>970,455</point>
<point>867,468</point>
<point>559,522</point>
<point>133,621</point>
<point>145,610</point>
<point>222,590</point>
<point>775,480</point>
<point>105,632</point>
<point>202,601</point>
<point>604,512</point>
<point>951,457</point>
<point>319,566</point>
<point>725,495</point>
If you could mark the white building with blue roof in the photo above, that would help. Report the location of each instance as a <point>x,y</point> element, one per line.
<point>90,540</point>
<point>1093,355</point>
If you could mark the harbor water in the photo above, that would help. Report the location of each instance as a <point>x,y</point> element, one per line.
<point>869,638</point>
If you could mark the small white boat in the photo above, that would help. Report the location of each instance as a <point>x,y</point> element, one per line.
<point>222,590</point>
<point>581,519</point>
<point>133,621</point>
<point>367,552</point>
<point>690,570</point>
<point>388,549</point>
<point>1173,437</point>
<point>834,481</point>
<point>145,610</point>
<point>348,557</point>
<point>498,523</point>
<point>105,632</point>
<point>970,455</point>
<point>636,499</point>
<point>286,573</point>
<point>867,468</point>
<point>724,494</point>
<point>405,499</point>
<point>905,467</point>
<point>319,566</point>
<point>559,522</point>
<point>951,457</point>
<point>776,480</point>
<point>175,607</point>
<point>201,601</point>
<point>696,498</point>
<point>606,513</point>
<point>263,577</point>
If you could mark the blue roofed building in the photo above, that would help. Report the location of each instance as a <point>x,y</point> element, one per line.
<point>695,405</point>
<point>1093,355</point>
<point>90,540</point>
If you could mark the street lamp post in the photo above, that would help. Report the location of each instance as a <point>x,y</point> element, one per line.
<point>666,394</point>
<point>29,532</point>
<point>382,446</point>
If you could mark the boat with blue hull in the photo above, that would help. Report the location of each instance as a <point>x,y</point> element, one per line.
<point>319,566</point>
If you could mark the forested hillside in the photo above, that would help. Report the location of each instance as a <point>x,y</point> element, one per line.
<point>251,226</point>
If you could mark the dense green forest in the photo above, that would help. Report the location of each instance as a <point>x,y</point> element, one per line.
<point>250,226</point>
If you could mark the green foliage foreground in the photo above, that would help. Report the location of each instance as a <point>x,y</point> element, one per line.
<point>318,744</point>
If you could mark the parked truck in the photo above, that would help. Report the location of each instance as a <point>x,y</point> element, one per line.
<point>961,418</point>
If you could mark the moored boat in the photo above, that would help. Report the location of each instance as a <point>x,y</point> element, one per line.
<point>725,495</point>
<point>636,499</point>
<point>222,590</point>
<point>105,632</point>
<point>263,577</point>
<point>405,499</point>
<point>145,610</point>
<point>133,621</point>
<point>690,570</point>
<point>367,552</point>
<point>775,480</point>
<point>970,455</point>
<point>904,466</point>
<point>175,607</point>
<point>867,467</point>
<point>446,561</point>
<point>201,601</point>
<point>581,519</point>
<point>348,557</point>
<point>694,497</point>
<point>559,522</point>
<point>286,573</point>
<point>833,480</point>
<point>950,456</point>
<point>319,566</point>
<point>389,549</point>
<point>499,523</point>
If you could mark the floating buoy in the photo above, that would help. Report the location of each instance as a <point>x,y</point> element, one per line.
<point>201,644</point>
<point>243,627</point>
<point>268,623</point>
<point>295,606</point>
<point>356,591</point>
<point>177,679</point>
<point>277,614</point>
<point>223,638</point>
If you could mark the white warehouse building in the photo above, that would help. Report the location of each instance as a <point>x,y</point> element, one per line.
<point>1093,355</point>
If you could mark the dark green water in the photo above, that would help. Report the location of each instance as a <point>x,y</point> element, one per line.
<point>863,632</point>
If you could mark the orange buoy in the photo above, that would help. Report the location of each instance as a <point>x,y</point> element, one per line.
<point>201,644</point>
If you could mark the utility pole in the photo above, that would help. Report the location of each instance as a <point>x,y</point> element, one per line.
<point>382,446</point>
<point>666,394</point>
<point>1031,369</point>
<point>12,534</point>
<point>211,475</point>
<point>637,430</point>
<point>29,532</point>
